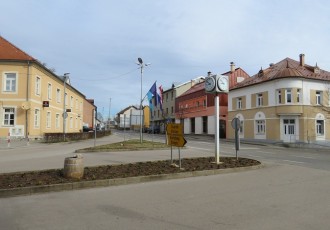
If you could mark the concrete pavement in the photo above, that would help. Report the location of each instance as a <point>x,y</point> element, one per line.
<point>275,197</point>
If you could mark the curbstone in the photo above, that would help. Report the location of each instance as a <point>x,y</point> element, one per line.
<point>117,181</point>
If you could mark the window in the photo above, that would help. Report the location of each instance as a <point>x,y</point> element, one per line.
<point>49,91</point>
<point>318,97</point>
<point>66,98</point>
<point>239,103</point>
<point>289,126</point>
<point>57,121</point>
<point>71,122</point>
<point>167,97</point>
<point>9,116</point>
<point>204,103</point>
<point>166,111</point>
<point>48,120</point>
<point>260,127</point>
<point>197,104</point>
<point>288,95</point>
<point>38,85</point>
<point>241,128</point>
<point>259,99</point>
<point>58,95</point>
<point>77,104</point>
<point>320,127</point>
<point>172,110</point>
<point>279,96</point>
<point>172,95</point>
<point>36,118</point>
<point>81,106</point>
<point>298,95</point>
<point>10,84</point>
<point>71,102</point>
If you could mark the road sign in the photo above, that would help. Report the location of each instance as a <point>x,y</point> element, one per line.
<point>236,123</point>
<point>174,129</point>
<point>176,140</point>
<point>175,135</point>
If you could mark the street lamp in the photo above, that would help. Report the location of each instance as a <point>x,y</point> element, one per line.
<point>65,78</point>
<point>141,64</point>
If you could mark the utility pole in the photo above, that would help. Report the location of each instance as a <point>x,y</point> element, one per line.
<point>65,77</point>
<point>109,114</point>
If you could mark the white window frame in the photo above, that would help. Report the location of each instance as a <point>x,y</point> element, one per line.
<point>71,122</point>
<point>77,103</point>
<point>239,103</point>
<point>319,127</point>
<point>318,97</point>
<point>10,82</point>
<point>38,86</point>
<point>9,116</point>
<point>298,95</point>
<point>71,102</point>
<point>57,120</point>
<point>58,95</point>
<point>48,120</point>
<point>279,96</point>
<point>49,91</point>
<point>259,100</point>
<point>260,127</point>
<point>288,96</point>
<point>36,118</point>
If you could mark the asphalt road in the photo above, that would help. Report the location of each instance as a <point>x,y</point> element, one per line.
<point>290,192</point>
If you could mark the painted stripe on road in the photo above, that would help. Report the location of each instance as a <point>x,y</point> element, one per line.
<point>298,162</point>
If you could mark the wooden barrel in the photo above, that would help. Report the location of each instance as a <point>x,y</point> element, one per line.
<point>74,167</point>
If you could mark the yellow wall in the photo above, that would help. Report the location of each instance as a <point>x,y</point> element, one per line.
<point>26,82</point>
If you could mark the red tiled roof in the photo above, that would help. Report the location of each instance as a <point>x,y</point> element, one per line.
<point>287,68</point>
<point>10,52</point>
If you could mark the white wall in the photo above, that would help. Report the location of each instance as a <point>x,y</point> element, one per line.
<point>187,125</point>
<point>210,125</point>
<point>198,125</point>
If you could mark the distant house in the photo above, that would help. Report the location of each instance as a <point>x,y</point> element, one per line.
<point>130,118</point>
<point>195,108</point>
<point>287,102</point>
<point>32,97</point>
<point>90,110</point>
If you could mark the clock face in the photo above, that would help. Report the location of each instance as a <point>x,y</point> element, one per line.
<point>209,84</point>
<point>223,84</point>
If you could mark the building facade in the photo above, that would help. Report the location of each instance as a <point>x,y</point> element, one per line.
<point>166,114</point>
<point>32,97</point>
<point>195,108</point>
<point>287,102</point>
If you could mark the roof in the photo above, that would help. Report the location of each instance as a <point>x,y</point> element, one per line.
<point>287,68</point>
<point>10,52</point>
<point>198,87</point>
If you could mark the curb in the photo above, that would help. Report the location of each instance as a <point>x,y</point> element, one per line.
<point>118,181</point>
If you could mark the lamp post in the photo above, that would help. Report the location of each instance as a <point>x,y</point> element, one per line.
<point>141,64</point>
<point>65,77</point>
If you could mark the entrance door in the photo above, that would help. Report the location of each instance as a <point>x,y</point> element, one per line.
<point>289,130</point>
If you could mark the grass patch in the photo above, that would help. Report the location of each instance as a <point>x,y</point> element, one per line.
<point>129,145</point>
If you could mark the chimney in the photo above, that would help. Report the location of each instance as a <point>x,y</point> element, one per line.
<point>302,59</point>
<point>232,66</point>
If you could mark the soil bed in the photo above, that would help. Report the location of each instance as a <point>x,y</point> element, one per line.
<point>55,176</point>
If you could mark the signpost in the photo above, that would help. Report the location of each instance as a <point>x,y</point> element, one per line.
<point>175,137</point>
<point>236,124</point>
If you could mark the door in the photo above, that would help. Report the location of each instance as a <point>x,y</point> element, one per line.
<point>289,130</point>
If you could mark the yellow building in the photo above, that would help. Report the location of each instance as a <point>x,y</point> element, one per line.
<point>32,97</point>
<point>287,102</point>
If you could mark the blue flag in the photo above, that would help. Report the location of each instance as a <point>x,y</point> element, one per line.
<point>152,93</point>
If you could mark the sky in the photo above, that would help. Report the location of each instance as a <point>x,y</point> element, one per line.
<point>99,41</point>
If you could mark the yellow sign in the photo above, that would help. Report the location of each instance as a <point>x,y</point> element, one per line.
<point>175,135</point>
<point>174,129</point>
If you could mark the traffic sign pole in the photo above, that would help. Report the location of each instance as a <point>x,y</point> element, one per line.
<point>217,136</point>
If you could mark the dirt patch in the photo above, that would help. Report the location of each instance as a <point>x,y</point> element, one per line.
<point>55,176</point>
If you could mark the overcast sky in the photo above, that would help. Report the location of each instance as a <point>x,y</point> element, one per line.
<point>98,41</point>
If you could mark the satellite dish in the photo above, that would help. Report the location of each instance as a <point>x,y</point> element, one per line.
<point>25,106</point>
<point>140,61</point>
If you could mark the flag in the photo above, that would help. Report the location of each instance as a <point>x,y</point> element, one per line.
<point>160,97</point>
<point>152,93</point>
